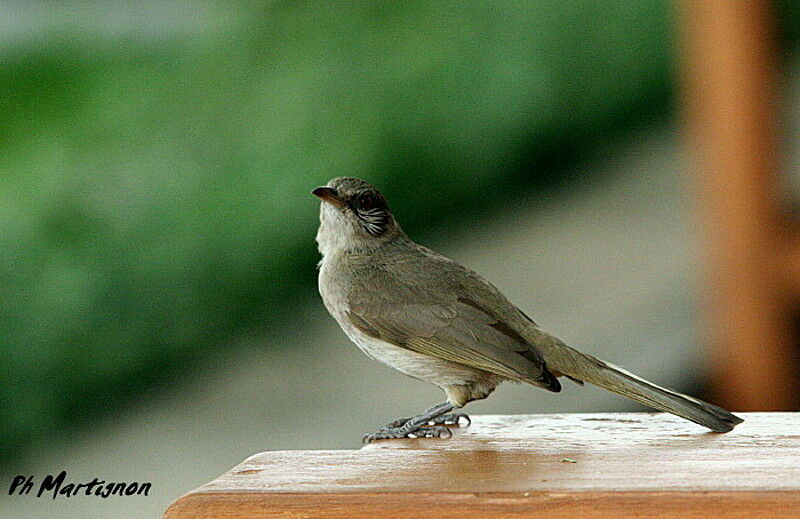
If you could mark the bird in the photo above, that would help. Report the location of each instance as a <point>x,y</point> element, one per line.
<point>435,320</point>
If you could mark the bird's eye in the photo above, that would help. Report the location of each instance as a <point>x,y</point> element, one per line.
<point>367,201</point>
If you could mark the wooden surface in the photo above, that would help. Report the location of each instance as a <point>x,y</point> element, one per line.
<point>752,253</point>
<point>637,465</point>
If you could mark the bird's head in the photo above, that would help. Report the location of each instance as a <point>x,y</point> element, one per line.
<point>354,215</point>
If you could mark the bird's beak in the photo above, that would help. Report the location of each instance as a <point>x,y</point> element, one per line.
<point>328,194</point>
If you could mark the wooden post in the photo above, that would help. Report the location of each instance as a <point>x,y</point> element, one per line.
<point>729,69</point>
<point>554,466</point>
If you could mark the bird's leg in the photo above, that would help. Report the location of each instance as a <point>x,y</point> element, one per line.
<point>430,424</point>
<point>446,418</point>
<point>402,421</point>
<point>449,419</point>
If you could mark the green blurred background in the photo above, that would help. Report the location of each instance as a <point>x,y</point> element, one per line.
<point>156,160</point>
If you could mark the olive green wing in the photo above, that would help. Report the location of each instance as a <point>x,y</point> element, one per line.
<point>460,331</point>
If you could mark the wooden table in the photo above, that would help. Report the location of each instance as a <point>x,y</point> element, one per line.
<point>554,466</point>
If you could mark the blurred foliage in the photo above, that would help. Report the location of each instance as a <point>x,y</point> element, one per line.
<point>156,161</point>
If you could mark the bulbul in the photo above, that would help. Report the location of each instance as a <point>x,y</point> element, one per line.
<point>428,317</point>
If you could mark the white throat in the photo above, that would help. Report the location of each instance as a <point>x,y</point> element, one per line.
<point>334,233</point>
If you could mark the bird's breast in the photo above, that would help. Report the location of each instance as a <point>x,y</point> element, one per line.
<point>441,372</point>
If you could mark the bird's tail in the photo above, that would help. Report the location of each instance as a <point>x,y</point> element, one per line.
<point>600,373</point>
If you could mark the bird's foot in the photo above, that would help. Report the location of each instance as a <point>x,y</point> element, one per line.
<point>449,419</point>
<point>454,420</point>
<point>433,423</point>
<point>397,423</point>
<point>436,431</point>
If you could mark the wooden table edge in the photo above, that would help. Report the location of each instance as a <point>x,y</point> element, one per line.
<point>566,504</point>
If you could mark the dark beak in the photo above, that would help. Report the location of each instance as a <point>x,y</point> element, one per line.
<point>328,194</point>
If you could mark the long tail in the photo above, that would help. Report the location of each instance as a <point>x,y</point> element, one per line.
<point>600,373</point>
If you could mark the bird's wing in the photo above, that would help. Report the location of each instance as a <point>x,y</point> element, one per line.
<point>459,330</point>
